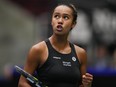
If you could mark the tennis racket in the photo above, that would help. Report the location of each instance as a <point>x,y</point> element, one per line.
<point>29,77</point>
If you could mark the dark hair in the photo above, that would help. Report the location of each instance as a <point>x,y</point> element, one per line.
<point>75,13</point>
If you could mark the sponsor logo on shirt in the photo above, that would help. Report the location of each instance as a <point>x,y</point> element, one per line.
<point>74,59</point>
<point>56,57</point>
<point>66,63</point>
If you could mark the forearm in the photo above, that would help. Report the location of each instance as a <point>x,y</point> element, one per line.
<point>23,82</point>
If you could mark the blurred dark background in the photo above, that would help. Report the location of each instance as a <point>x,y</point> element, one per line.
<point>26,22</point>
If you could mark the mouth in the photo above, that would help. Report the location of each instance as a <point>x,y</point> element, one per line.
<point>59,28</point>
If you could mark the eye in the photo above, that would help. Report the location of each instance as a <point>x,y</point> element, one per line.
<point>56,16</point>
<point>66,17</point>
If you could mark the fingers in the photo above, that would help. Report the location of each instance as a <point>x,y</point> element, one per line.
<point>87,79</point>
<point>88,76</point>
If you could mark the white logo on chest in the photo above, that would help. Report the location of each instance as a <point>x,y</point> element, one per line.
<point>73,58</point>
<point>56,57</point>
<point>66,63</point>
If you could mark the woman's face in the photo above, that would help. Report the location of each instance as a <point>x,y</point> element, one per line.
<point>62,20</point>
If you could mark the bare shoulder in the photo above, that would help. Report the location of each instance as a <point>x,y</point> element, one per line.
<point>80,49</point>
<point>38,50</point>
<point>39,46</point>
<point>81,53</point>
<point>34,57</point>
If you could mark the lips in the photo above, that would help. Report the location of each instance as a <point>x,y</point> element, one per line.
<point>59,28</point>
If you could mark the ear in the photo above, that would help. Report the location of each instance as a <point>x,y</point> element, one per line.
<point>73,25</point>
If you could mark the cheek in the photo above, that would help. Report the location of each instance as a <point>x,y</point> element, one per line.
<point>52,22</point>
<point>69,25</point>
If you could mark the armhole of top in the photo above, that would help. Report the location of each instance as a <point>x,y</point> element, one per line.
<point>44,64</point>
<point>74,50</point>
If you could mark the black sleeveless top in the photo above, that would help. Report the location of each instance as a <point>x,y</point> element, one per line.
<point>60,70</point>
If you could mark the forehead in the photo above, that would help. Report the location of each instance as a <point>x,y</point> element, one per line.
<point>63,9</point>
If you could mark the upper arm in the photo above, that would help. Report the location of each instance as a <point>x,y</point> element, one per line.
<point>82,56</point>
<point>34,57</point>
<point>32,61</point>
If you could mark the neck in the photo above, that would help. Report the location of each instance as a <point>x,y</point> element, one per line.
<point>59,42</point>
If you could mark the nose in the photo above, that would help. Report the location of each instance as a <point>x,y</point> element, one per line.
<point>60,21</point>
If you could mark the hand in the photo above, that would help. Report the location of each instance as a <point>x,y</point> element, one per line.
<point>87,80</point>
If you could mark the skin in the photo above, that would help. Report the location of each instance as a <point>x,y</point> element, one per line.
<point>62,23</point>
